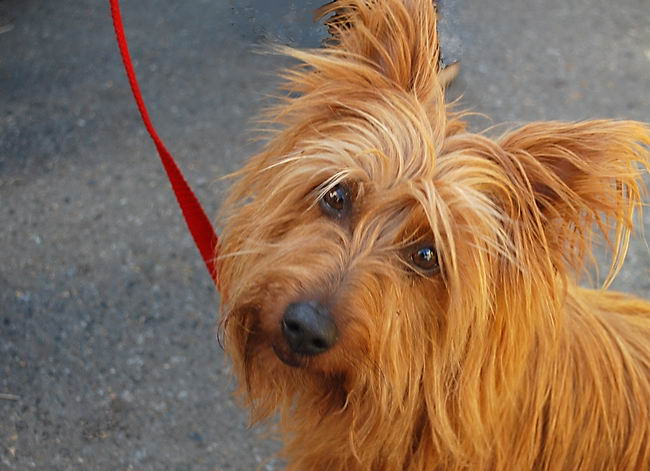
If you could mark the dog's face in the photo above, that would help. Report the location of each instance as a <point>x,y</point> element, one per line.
<point>376,247</point>
<point>336,252</point>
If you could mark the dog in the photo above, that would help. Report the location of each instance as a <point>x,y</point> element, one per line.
<point>401,293</point>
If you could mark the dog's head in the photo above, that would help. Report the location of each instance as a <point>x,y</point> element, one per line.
<point>377,254</point>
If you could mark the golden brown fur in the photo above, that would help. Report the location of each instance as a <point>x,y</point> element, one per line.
<point>499,362</point>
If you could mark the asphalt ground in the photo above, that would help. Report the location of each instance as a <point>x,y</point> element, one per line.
<point>108,357</point>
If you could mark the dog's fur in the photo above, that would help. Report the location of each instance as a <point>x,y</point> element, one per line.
<point>500,361</point>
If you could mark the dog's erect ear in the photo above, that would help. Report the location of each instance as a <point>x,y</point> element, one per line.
<point>398,37</point>
<point>581,175</point>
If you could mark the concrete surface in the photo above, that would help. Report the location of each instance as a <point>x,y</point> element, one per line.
<point>108,358</point>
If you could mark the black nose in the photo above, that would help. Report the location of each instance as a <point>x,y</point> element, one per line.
<point>309,328</point>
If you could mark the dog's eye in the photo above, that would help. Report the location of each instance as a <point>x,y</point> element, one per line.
<point>425,259</point>
<point>335,202</point>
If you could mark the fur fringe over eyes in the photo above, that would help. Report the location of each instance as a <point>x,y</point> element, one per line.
<point>500,360</point>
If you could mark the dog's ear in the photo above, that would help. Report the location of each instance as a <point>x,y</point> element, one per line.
<point>397,37</point>
<point>577,176</point>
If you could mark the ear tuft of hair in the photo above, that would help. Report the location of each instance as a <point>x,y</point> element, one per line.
<point>584,176</point>
<point>397,37</point>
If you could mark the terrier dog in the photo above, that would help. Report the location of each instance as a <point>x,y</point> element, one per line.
<point>402,293</point>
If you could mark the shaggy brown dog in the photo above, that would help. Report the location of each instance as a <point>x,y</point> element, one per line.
<point>403,293</point>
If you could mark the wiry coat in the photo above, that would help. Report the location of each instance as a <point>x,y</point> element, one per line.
<point>501,361</point>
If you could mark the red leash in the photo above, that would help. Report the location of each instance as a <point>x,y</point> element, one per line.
<point>198,223</point>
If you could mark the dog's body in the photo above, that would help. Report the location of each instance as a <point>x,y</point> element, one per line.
<point>403,293</point>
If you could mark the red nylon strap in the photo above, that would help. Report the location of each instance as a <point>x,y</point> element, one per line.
<point>198,223</point>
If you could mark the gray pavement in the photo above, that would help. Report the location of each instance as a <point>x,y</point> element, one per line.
<point>108,357</point>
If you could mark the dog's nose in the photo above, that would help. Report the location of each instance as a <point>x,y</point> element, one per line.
<point>309,328</point>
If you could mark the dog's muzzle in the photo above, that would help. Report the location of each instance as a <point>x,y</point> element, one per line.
<point>309,328</point>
